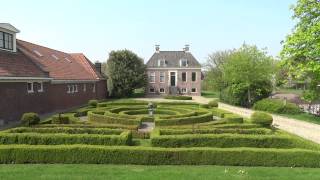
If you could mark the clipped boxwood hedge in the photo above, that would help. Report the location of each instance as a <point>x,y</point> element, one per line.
<point>220,112</point>
<point>178,97</point>
<point>276,106</point>
<point>60,119</point>
<point>215,131</point>
<point>111,119</point>
<point>87,154</point>
<point>30,118</point>
<point>66,130</point>
<point>261,118</point>
<point>111,126</point>
<point>223,140</point>
<point>213,103</point>
<point>125,138</point>
<point>184,120</point>
<point>233,118</point>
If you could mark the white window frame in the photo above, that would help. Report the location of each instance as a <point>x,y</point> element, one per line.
<point>76,88</point>
<point>162,61</point>
<point>84,87</point>
<point>152,74</point>
<point>164,90</point>
<point>69,89</point>
<point>186,76</point>
<point>164,77</point>
<point>195,89</point>
<point>154,90</point>
<point>184,92</point>
<point>176,78</point>
<point>94,88</point>
<point>186,60</point>
<point>41,87</point>
<point>32,88</point>
<point>195,78</point>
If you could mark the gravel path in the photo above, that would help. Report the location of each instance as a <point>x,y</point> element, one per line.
<point>303,129</point>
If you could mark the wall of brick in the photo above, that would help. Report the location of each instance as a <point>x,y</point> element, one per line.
<point>189,84</point>
<point>15,100</point>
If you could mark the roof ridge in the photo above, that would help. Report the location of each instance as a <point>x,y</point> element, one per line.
<point>43,46</point>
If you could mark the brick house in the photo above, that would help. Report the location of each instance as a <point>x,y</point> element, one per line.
<point>173,72</point>
<point>38,79</point>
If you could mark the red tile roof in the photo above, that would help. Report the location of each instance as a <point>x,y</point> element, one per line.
<point>18,65</point>
<point>60,65</point>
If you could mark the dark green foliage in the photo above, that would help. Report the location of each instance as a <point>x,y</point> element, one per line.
<point>262,118</point>
<point>126,72</point>
<point>276,106</point>
<point>233,118</point>
<point>147,119</point>
<point>178,97</point>
<point>60,119</point>
<point>105,125</point>
<point>207,106</point>
<point>74,154</point>
<point>184,120</point>
<point>93,102</point>
<point>66,130</point>
<point>124,138</point>
<point>213,103</point>
<point>31,118</point>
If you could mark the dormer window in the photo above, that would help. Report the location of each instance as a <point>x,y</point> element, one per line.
<point>6,41</point>
<point>183,63</point>
<point>162,63</point>
<point>37,53</point>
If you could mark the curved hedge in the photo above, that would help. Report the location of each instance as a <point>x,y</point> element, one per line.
<point>215,131</point>
<point>111,119</point>
<point>261,118</point>
<point>86,154</point>
<point>185,120</point>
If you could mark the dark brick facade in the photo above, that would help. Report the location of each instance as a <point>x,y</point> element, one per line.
<point>15,100</point>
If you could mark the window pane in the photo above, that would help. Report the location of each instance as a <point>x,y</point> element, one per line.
<point>1,35</point>
<point>194,76</point>
<point>6,44</point>
<point>1,44</point>
<point>6,37</point>
<point>184,76</point>
<point>10,45</point>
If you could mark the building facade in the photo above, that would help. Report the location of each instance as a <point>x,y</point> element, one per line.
<point>35,78</point>
<point>174,73</point>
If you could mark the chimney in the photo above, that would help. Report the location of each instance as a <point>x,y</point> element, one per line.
<point>98,66</point>
<point>157,48</point>
<point>186,48</point>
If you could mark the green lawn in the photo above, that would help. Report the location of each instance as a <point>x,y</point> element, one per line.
<point>85,171</point>
<point>210,94</point>
<point>304,117</point>
<point>289,90</point>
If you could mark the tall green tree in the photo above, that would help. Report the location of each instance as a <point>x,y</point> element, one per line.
<point>249,70</point>
<point>126,72</point>
<point>301,49</point>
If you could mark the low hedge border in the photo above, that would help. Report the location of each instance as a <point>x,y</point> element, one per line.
<point>233,118</point>
<point>225,140</point>
<point>109,119</point>
<point>66,130</point>
<point>86,154</point>
<point>125,138</point>
<point>111,126</point>
<point>220,112</point>
<point>184,120</point>
<point>215,131</point>
<point>178,97</point>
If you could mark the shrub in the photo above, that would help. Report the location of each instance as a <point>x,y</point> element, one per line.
<point>276,106</point>
<point>112,119</point>
<point>184,120</point>
<point>125,138</point>
<point>111,126</point>
<point>30,118</point>
<point>75,154</point>
<point>233,118</point>
<point>261,118</point>
<point>204,106</point>
<point>60,119</point>
<point>178,97</point>
<point>93,102</point>
<point>213,103</point>
<point>215,131</point>
<point>224,141</point>
<point>219,112</point>
<point>66,130</point>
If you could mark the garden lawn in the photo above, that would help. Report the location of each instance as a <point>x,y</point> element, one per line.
<point>210,94</point>
<point>86,171</point>
<point>304,117</point>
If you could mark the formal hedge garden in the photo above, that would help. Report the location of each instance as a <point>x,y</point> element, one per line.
<point>185,134</point>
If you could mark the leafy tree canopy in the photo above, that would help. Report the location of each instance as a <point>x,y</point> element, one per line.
<point>126,72</point>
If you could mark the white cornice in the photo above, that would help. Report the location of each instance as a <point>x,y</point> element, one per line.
<point>73,81</point>
<point>172,68</point>
<point>23,79</point>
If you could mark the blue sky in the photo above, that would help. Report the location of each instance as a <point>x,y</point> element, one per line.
<point>95,27</point>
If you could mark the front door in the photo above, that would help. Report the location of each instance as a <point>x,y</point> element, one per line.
<point>172,78</point>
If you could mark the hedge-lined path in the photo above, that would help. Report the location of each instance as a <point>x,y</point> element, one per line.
<point>146,127</point>
<point>303,129</point>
